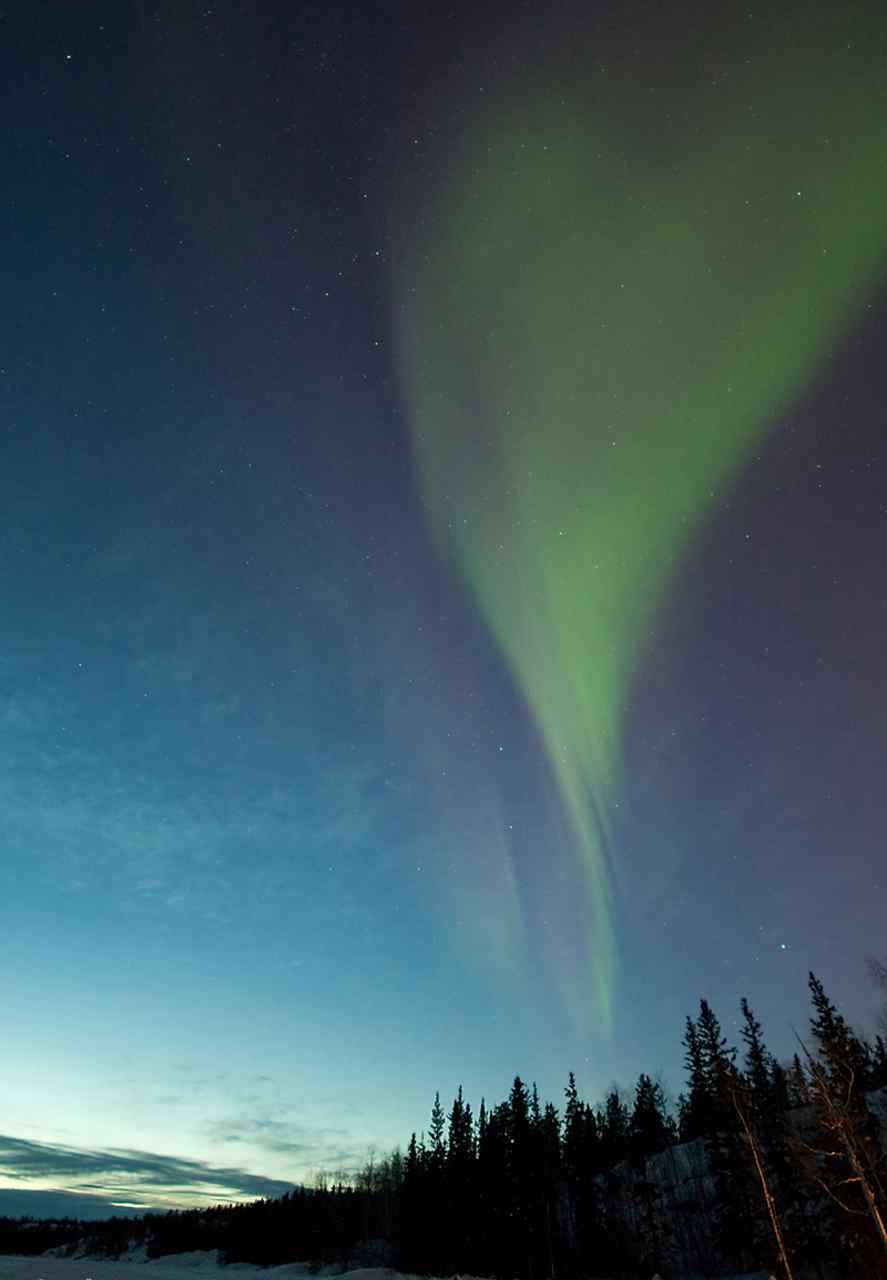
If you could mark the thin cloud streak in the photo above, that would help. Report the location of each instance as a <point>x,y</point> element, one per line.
<point>114,1172</point>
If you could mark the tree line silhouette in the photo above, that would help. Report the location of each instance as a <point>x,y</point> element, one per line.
<point>762,1164</point>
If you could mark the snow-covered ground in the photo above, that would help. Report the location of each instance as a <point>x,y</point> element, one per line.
<point>180,1266</point>
<point>200,1265</point>
<point>190,1266</point>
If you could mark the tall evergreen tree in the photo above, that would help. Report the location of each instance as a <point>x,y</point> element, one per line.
<point>437,1146</point>
<point>435,1186</point>
<point>615,1131</point>
<point>574,1132</point>
<point>780,1087</point>
<point>718,1068</point>
<point>521,1187</point>
<point>730,1164</point>
<point>758,1062</point>
<point>649,1129</point>
<point>460,1135</point>
<point>551,1172</point>
<point>696,1103</point>
<point>460,1199</point>
<point>852,1147</point>
<point>763,1099</point>
<point>582,1163</point>
<point>496,1244</point>
<point>412,1231</point>
<point>798,1084</point>
<point>840,1051</point>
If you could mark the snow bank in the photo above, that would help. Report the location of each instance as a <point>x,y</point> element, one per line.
<point>43,1268</point>
<point>205,1259</point>
<point>200,1265</point>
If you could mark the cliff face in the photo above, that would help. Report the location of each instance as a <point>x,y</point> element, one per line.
<point>671,1203</point>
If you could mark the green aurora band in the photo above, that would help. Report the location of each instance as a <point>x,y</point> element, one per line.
<point>615,281</point>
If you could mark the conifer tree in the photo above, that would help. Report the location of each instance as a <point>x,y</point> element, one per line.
<point>534,1191</point>
<point>650,1133</point>
<point>519,1112</point>
<point>649,1129</point>
<point>838,1075</point>
<point>482,1173</point>
<point>521,1174</point>
<point>551,1140</point>
<point>460,1199</point>
<point>718,1068</point>
<point>696,1104</point>
<point>840,1052</point>
<point>615,1131</point>
<point>581,1162</point>
<point>730,1166</point>
<point>411,1238</point>
<point>460,1136</point>
<point>779,1087</point>
<point>574,1132</point>
<point>434,1185</point>
<point>535,1109</point>
<point>758,1063</point>
<point>762,1103</point>
<point>551,1167</point>
<point>493,1172</point>
<point>437,1147</point>
<point>798,1086</point>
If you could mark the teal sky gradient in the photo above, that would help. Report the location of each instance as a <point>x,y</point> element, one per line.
<point>284,847</point>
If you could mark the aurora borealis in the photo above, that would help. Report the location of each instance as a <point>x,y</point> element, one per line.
<point>443,550</point>
<point>604,305</point>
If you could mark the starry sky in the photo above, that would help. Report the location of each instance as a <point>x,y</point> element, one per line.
<point>443,556</point>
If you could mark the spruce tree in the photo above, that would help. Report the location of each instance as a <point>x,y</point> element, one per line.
<point>521,1173</point>
<point>496,1245</point>
<point>718,1069</point>
<point>838,1075</point>
<point>649,1129</point>
<point>551,1169</point>
<point>840,1051</point>
<point>434,1186</point>
<point>437,1146</point>
<point>459,1200</point>
<point>582,1164</point>
<point>758,1062</point>
<point>779,1086</point>
<point>574,1133</point>
<point>615,1131</point>
<point>730,1165</point>
<point>762,1099</point>
<point>798,1084</point>
<point>696,1103</point>
<point>650,1133</point>
<point>411,1241</point>
<point>484,1195</point>
<point>460,1136</point>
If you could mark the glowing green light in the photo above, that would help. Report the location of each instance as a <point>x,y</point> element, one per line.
<point>607,293</point>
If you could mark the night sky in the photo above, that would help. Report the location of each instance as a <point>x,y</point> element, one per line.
<point>443,564</point>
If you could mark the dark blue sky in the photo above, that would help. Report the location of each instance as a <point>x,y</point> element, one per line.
<point>271,802</point>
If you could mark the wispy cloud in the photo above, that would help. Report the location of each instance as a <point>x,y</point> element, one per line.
<point>18,1202</point>
<point>119,1172</point>
<point>311,1147</point>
